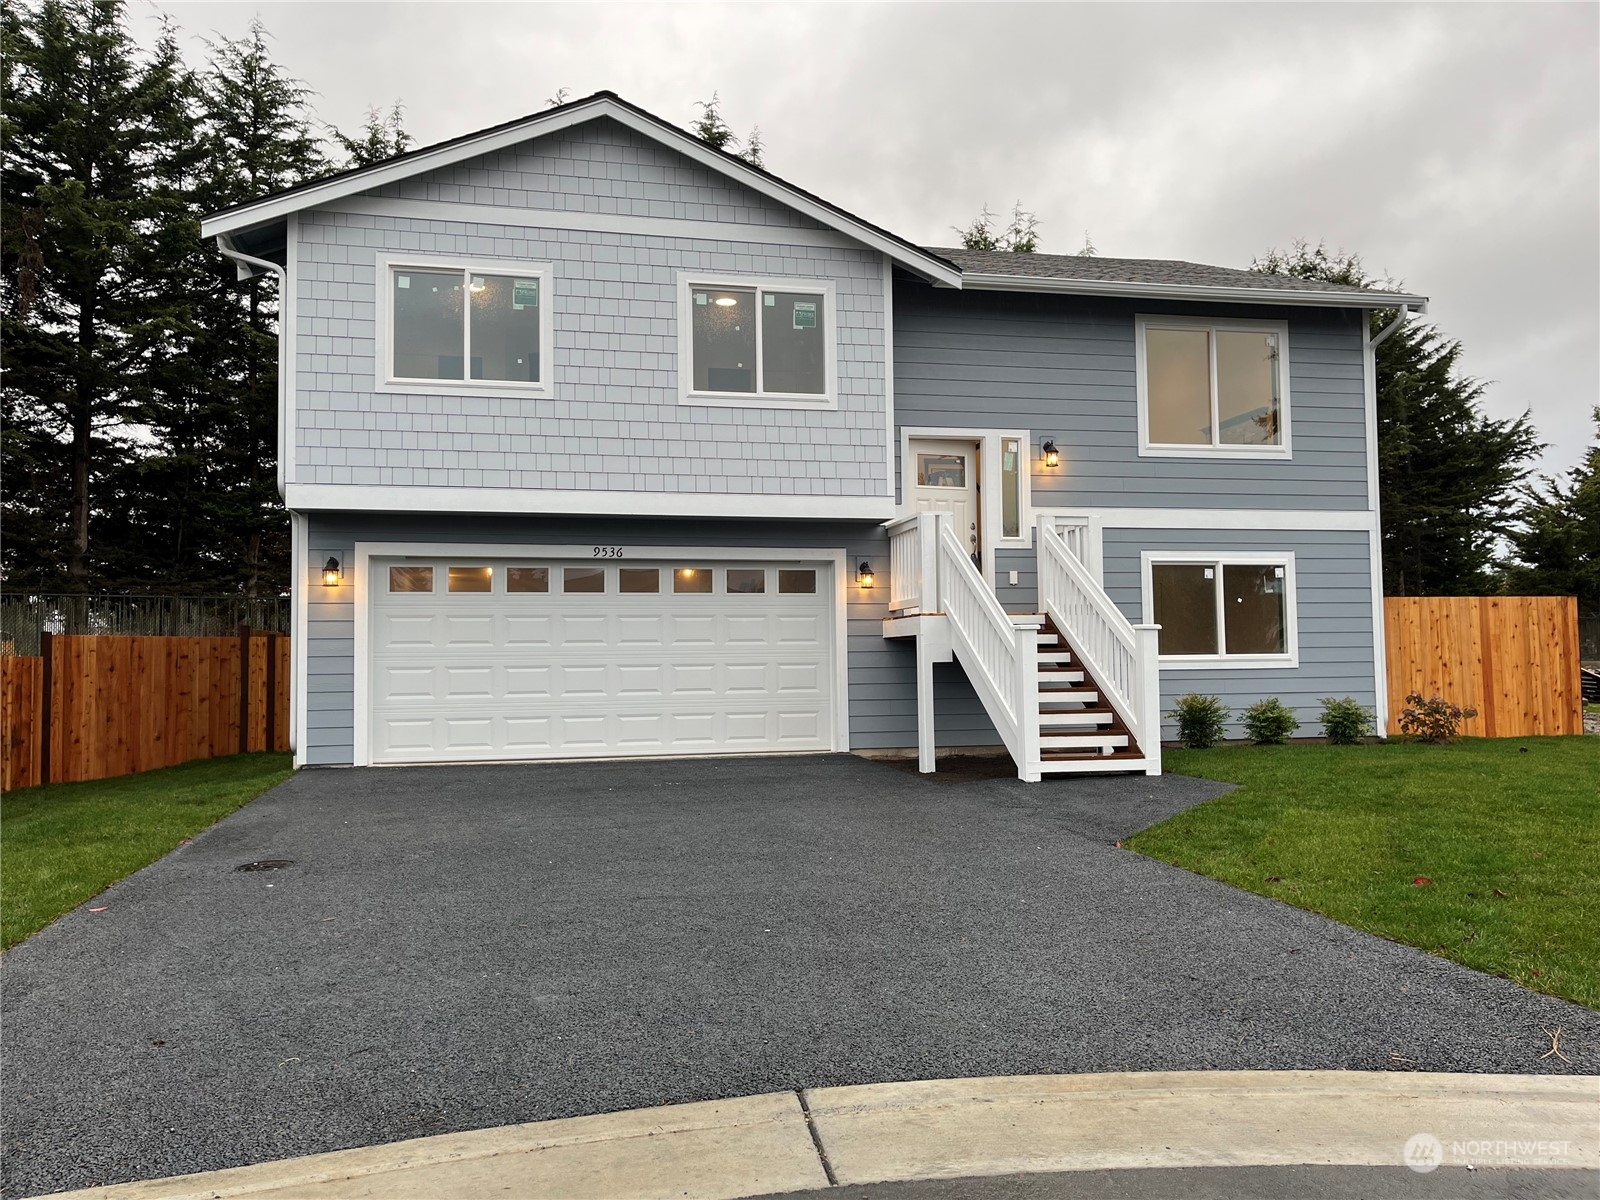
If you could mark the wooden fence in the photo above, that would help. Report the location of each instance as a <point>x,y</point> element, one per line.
<point>1513,658</point>
<point>122,704</point>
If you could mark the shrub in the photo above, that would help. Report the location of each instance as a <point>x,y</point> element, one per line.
<point>1269,721</point>
<point>1433,720</point>
<point>1200,720</point>
<point>1345,722</point>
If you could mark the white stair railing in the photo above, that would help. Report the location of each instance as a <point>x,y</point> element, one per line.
<point>912,562</point>
<point>1123,658</point>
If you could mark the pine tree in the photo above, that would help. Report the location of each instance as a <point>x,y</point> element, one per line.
<point>1021,236</point>
<point>383,135</point>
<point>1556,535</point>
<point>89,128</point>
<point>1448,474</point>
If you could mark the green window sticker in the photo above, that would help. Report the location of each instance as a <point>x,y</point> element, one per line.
<point>524,294</point>
<point>805,314</point>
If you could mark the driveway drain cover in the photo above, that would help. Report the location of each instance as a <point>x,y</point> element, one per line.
<point>266,864</point>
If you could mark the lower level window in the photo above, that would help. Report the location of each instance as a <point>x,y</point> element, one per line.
<point>1223,607</point>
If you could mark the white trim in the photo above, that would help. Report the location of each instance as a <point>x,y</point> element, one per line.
<point>1288,519</point>
<point>1147,449</point>
<point>1219,559</point>
<point>288,363</point>
<point>384,380</point>
<point>985,281</point>
<point>358,571</point>
<point>1380,631</point>
<point>587,222</point>
<point>299,601</point>
<point>888,379</point>
<point>988,442</point>
<point>376,176</point>
<point>688,281</point>
<point>357,497</point>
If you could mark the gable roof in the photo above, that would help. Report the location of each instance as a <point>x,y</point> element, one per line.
<point>275,207</point>
<point>1151,277</point>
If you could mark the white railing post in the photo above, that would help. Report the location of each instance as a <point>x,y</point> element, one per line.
<point>1026,653</point>
<point>928,536</point>
<point>1149,642</point>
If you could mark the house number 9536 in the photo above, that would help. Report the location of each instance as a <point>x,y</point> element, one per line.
<point>608,551</point>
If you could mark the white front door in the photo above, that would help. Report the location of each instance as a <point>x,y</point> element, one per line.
<point>945,479</point>
<point>494,658</point>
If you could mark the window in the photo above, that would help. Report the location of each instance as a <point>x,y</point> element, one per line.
<point>1010,487</point>
<point>745,581</point>
<point>942,470</point>
<point>1213,387</point>
<point>411,579</point>
<point>636,581</point>
<point>797,582</point>
<point>1222,609</point>
<point>464,326</point>
<point>692,580</point>
<point>583,579</point>
<point>527,579</point>
<point>744,341</point>
<point>470,579</point>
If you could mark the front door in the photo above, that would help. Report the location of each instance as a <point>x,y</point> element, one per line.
<point>946,480</point>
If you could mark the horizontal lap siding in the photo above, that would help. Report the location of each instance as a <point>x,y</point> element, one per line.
<point>1063,367</point>
<point>882,673</point>
<point>614,422</point>
<point>1333,592</point>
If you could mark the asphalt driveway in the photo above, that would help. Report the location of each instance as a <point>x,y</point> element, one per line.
<point>462,947</point>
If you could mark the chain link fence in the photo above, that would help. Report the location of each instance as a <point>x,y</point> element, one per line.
<point>24,618</point>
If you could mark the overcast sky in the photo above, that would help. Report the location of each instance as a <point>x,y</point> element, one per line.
<point>1456,147</point>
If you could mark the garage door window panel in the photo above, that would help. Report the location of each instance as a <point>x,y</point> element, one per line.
<point>690,581</point>
<point>411,579</point>
<point>744,581</point>
<point>470,579</point>
<point>797,583</point>
<point>583,580</point>
<point>527,579</point>
<point>634,581</point>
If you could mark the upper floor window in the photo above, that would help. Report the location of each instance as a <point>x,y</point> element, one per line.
<point>1213,387</point>
<point>463,325</point>
<point>757,342</point>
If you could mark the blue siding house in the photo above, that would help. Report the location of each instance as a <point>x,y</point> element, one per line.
<point>599,442</point>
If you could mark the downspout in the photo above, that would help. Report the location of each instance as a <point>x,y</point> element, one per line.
<point>248,265</point>
<point>1380,641</point>
<point>1391,327</point>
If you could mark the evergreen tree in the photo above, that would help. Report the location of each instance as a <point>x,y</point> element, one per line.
<point>92,133</point>
<point>1448,474</point>
<point>383,135</point>
<point>209,494</point>
<point>1021,236</point>
<point>711,129</point>
<point>1556,536</point>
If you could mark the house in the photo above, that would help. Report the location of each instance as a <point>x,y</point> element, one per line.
<point>601,442</point>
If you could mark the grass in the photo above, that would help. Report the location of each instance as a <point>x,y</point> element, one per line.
<point>66,842</point>
<point>1505,832</point>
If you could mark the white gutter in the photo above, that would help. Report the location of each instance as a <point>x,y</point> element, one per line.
<point>248,266</point>
<point>978,281</point>
<point>1383,334</point>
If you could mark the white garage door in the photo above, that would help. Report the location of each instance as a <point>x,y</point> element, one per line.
<point>475,659</point>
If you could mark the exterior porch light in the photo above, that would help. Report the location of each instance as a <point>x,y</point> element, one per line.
<point>332,572</point>
<point>1052,456</point>
<point>864,575</point>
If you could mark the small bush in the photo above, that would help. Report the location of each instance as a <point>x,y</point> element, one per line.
<point>1434,720</point>
<point>1345,722</point>
<point>1200,720</point>
<point>1269,722</point>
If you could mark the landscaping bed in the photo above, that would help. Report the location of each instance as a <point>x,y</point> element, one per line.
<point>1485,851</point>
<point>66,842</point>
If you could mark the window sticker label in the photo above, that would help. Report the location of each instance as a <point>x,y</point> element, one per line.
<point>805,314</point>
<point>699,297</point>
<point>771,301</point>
<point>524,294</point>
<point>1211,573</point>
<point>403,281</point>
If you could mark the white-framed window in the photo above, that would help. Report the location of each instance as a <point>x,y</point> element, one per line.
<point>1008,457</point>
<point>463,325</point>
<point>1222,610</point>
<point>1212,388</point>
<point>746,342</point>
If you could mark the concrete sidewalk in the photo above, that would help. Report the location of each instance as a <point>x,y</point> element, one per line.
<point>816,1140</point>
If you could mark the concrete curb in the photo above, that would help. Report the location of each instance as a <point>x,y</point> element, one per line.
<point>953,1128</point>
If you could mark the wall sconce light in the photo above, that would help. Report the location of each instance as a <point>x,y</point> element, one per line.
<point>332,572</point>
<point>864,575</point>
<point>1052,456</point>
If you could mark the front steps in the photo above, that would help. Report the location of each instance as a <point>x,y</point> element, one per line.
<point>1078,731</point>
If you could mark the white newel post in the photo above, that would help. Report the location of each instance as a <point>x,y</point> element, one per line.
<point>928,532</point>
<point>1026,699</point>
<point>1149,645</point>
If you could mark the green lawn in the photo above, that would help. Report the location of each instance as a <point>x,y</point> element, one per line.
<point>63,843</point>
<point>1506,833</point>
